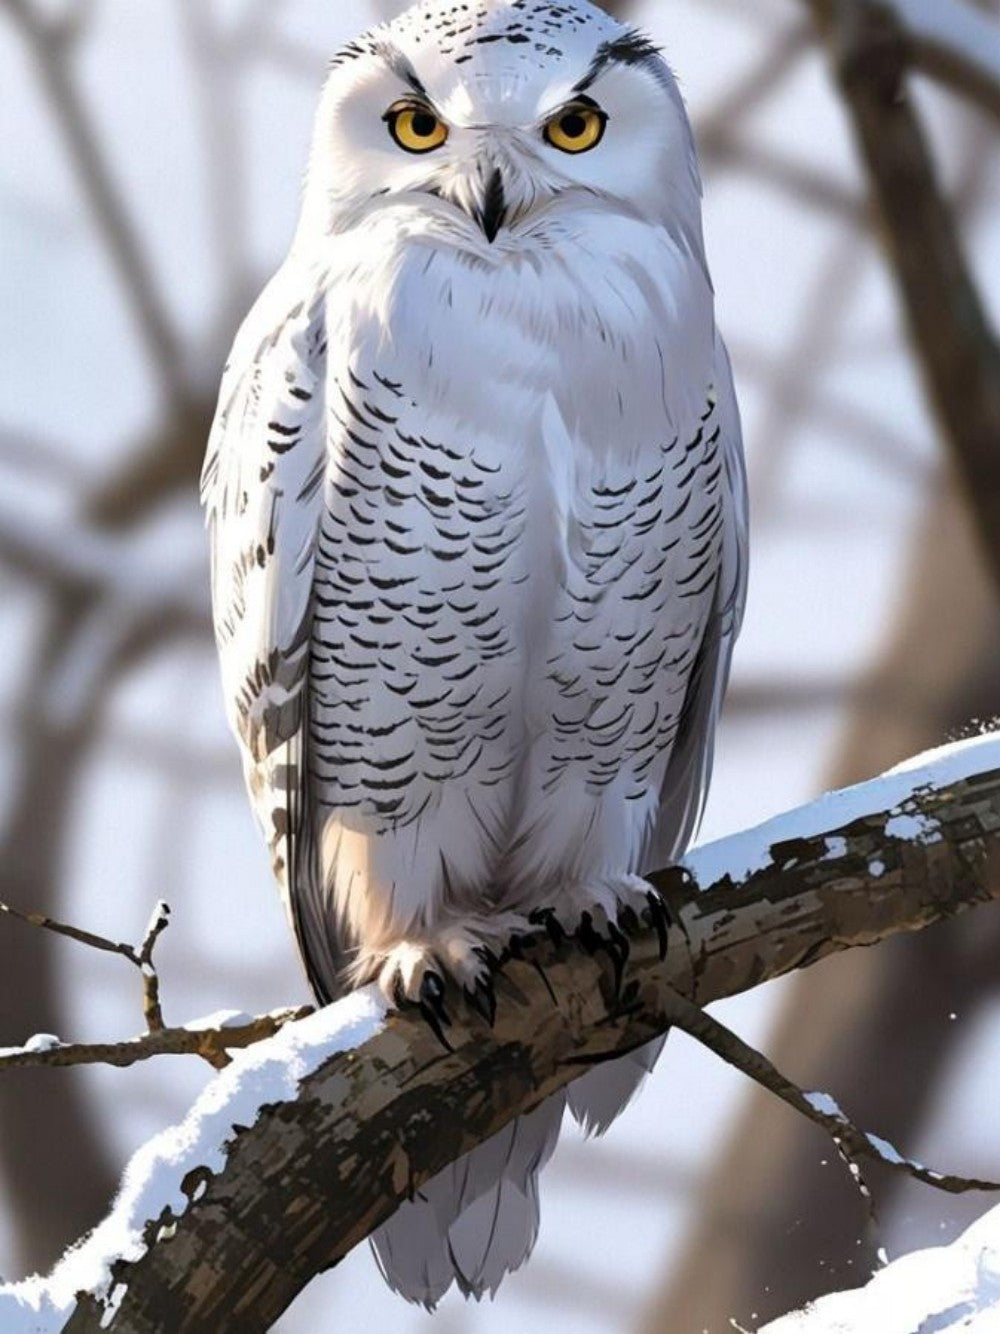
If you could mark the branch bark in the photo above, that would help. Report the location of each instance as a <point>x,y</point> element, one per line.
<point>312,1177</point>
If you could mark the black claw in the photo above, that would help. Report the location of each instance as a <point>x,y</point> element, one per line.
<point>619,950</point>
<point>660,915</point>
<point>483,999</point>
<point>432,1006</point>
<point>489,958</point>
<point>615,945</point>
<point>515,947</point>
<point>589,938</point>
<point>547,918</point>
<point>628,917</point>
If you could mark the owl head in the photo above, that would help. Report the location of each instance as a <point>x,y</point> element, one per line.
<point>492,119</point>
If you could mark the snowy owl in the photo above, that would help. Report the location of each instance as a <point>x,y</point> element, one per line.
<point>477,504</point>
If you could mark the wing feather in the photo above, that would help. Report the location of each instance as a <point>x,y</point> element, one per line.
<point>262,487</point>
<point>685,786</point>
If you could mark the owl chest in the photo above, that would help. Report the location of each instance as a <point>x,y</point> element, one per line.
<point>500,554</point>
<point>448,541</point>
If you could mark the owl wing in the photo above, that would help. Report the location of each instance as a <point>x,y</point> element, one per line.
<point>262,487</point>
<point>685,786</point>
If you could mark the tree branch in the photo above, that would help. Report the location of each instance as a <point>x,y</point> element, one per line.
<point>211,1039</point>
<point>954,42</point>
<point>305,1144</point>
<point>949,326</point>
<point>49,43</point>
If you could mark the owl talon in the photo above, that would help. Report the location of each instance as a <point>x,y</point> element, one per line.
<point>483,999</point>
<point>615,945</point>
<point>432,1006</point>
<point>488,956</point>
<point>546,917</point>
<point>515,947</point>
<point>628,917</point>
<point>660,915</point>
<point>619,949</point>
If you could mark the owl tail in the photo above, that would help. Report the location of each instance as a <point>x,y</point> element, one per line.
<point>477,1221</point>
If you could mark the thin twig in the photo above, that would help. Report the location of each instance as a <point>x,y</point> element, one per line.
<point>71,932</point>
<point>141,958</point>
<point>151,1007</point>
<point>854,1145</point>
<point>211,1044</point>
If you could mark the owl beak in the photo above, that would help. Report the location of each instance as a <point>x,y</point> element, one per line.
<point>493,211</point>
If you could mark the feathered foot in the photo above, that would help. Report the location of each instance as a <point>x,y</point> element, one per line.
<point>464,950</point>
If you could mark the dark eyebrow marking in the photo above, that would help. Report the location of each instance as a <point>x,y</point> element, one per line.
<point>403,69</point>
<point>632,48</point>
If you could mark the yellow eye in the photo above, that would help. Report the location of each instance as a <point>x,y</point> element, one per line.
<point>577,128</point>
<point>416,129</point>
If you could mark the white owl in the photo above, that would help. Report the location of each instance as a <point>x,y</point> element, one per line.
<point>478,519</point>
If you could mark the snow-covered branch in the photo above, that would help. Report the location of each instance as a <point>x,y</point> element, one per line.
<point>212,1038</point>
<point>317,1135</point>
<point>941,1290</point>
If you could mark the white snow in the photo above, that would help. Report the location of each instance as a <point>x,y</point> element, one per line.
<point>828,1106</point>
<point>886,1151</point>
<point>41,1042</point>
<point>943,1289</point>
<point>824,1104</point>
<point>916,828</point>
<point>267,1073</point>
<point>742,854</point>
<point>219,1020</point>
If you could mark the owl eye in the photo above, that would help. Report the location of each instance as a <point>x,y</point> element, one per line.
<point>416,129</point>
<point>577,128</point>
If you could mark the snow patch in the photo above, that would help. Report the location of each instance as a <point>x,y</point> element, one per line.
<point>267,1073</point>
<point>825,1105</point>
<point>913,828</point>
<point>886,1151</point>
<point>944,1288</point>
<point>41,1042</point>
<point>221,1019</point>
<point>743,854</point>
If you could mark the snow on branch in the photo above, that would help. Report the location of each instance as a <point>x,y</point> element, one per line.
<point>943,1289</point>
<point>306,1142</point>
<point>212,1038</point>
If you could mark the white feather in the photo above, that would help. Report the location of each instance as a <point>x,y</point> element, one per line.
<point>479,537</point>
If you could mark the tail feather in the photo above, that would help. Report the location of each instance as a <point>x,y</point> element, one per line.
<point>477,1220</point>
<point>597,1097</point>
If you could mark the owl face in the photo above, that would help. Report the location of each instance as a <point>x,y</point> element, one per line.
<point>488,120</point>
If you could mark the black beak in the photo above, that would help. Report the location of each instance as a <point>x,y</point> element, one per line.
<point>494,210</point>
